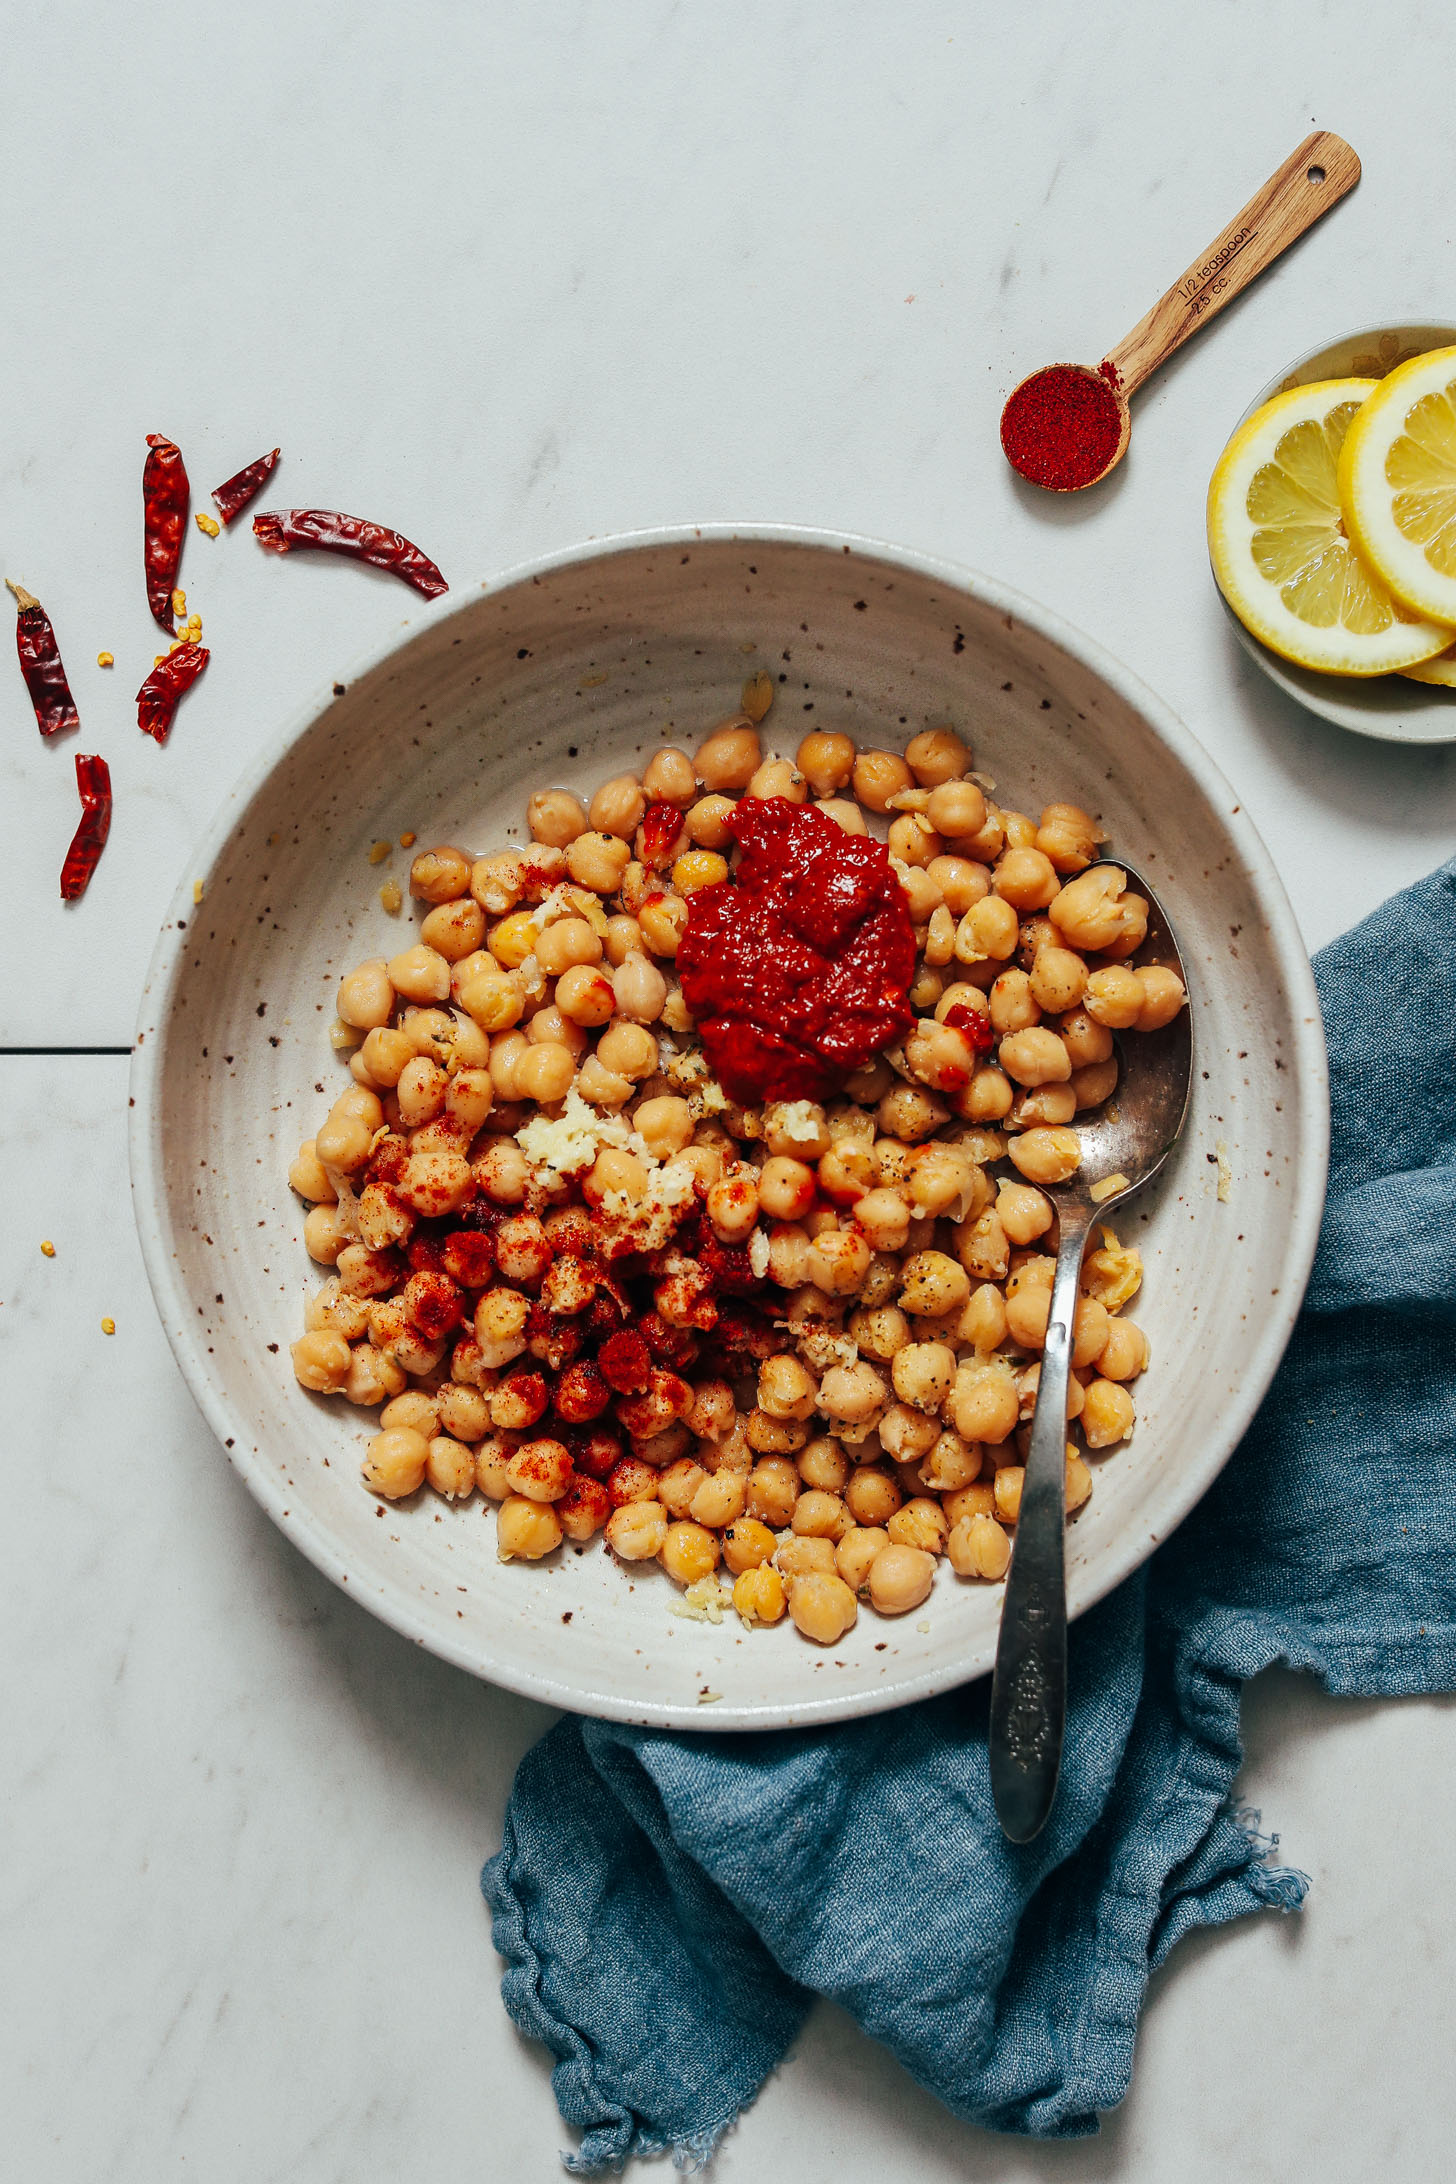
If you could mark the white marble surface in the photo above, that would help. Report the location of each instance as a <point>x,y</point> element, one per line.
<point>507,275</point>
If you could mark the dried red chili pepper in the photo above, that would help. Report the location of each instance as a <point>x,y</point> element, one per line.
<point>660,829</point>
<point>164,688</point>
<point>165,498</point>
<point>281,529</point>
<point>93,780</point>
<point>231,498</point>
<point>40,664</point>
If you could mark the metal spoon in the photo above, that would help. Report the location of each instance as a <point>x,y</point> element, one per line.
<point>1126,1141</point>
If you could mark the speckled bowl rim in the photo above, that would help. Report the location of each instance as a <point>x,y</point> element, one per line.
<point>1363,708</point>
<point>176,1308</point>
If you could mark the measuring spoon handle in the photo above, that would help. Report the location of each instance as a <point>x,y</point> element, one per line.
<point>1315,176</point>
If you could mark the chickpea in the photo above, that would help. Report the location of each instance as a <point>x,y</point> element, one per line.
<point>420,974</point>
<point>732,1207</point>
<point>433,1031</point>
<point>919,1523</point>
<point>1006,1489</point>
<point>900,1577</point>
<point>988,1096</point>
<point>909,1113</point>
<point>623,937</point>
<point>826,760</point>
<point>856,1552</point>
<point>617,809</point>
<point>638,1531</point>
<point>414,1409</point>
<point>877,776</point>
<point>1058,979</point>
<point>779,777</point>
<point>962,883</point>
<point>796,1130</point>
<point>436,1183</point>
<point>1047,1156</point>
<point>498,882</point>
<point>838,1261</point>
<point>1011,1004</point>
<point>758,1594</point>
<point>823,1607</point>
<point>872,1495</point>
<point>500,1326</point>
<point>988,931</point>
<point>306,1174</point>
<point>585,996</point>
<point>343,1143</point>
<point>366,997</point>
<point>548,1027</point>
<point>720,1500</point>
<point>1107,1414</point>
<point>983,1404</point>
<point>1125,1352</point>
<point>439,875</point>
<point>914,843</point>
<point>786,1188</point>
<point>1044,1107</point>
<point>1069,836</point>
<point>665,1125</point>
<point>976,1500</point>
<point>1088,911</point>
<point>494,1001</point>
<point>332,1310</point>
<point>844,814</point>
<point>570,941</point>
<point>730,757</point>
<point>1085,1040</point>
<point>747,1544</point>
<point>982,1323</point>
<point>544,1074</point>
<point>688,1552</point>
<point>768,1436</point>
<point>601,1086</point>
<point>384,1054</point>
<point>364,1273</point>
<point>852,1393</point>
<point>670,778</point>
<point>936,755</point>
<point>698,868</point>
<point>454,930</point>
<point>321,1361</point>
<point>1133,928</point>
<point>978,1547</point>
<point>907,1434</point>
<point>823,1464</point>
<point>501,1172</point>
<point>1026,879</point>
<point>1034,1057</point>
<point>922,1373</point>
<point>511,941</point>
<point>662,919</point>
<point>956,810</point>
<point>555,816</point>
<point>951,1464</point>
<point>707,822</point>
<point>785,1388</point>
<point>773,1488</point>
<point>1093,1084</point>
<point>527,1530</point>
<point>373,1377</point>
<point>421,1091</point>
<point>460,1411</point>
<point>1115,997</point>
<point>598,859</point>
<point>884,1217</point>
<point>678,1483</point>
<point>819,1515</point>
<point>394,1462</point>
<point>1163,997</point>
<point>932,1284</point>
<point>450,1467</point>
<point>804,1555</point>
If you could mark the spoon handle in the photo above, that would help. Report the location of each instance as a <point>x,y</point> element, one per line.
<point>1314,177</point>
<point>1029,1691</point>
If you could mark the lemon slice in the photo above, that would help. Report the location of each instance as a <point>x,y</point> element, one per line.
<point>1280,551</point>
<point>1398,483</point>
<point>1442,669</point>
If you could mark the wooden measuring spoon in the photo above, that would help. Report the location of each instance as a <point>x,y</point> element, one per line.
<point>1066,426</point>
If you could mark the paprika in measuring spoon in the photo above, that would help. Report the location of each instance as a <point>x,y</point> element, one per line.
<point>798,967</point>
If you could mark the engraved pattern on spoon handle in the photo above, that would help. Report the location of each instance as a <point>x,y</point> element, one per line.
<point>1029,1693</point>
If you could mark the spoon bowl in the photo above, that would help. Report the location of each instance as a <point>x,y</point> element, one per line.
<point>1122,1149</point>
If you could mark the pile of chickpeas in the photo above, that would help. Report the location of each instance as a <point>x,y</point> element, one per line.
<point>877,1421</point>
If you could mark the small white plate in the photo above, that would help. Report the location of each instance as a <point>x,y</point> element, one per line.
<point>1389,706</point>
<point>568,670</point>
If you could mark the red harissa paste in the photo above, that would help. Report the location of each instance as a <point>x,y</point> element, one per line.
<point>798,968</point>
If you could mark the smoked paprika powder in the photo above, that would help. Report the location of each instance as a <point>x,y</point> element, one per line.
<point>1061,427</point>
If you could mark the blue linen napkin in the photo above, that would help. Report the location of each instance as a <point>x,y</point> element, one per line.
<point>668,1904</point>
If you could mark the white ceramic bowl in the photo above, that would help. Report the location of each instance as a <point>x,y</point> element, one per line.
<point>1389,706</point>
<point>565,671</point>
